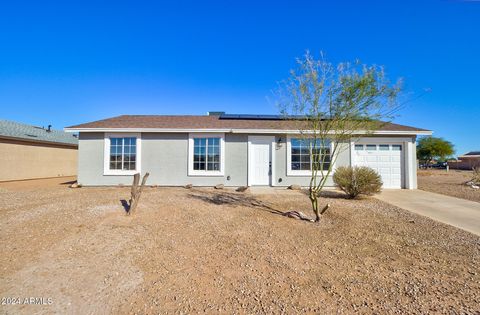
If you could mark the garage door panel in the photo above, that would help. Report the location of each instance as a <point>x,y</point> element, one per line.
<point>360,159</point>
<point>385,170</point>
<point>396,170</point>
<point>396,158</point>
<point>387,162</point>
<point>385,158</point>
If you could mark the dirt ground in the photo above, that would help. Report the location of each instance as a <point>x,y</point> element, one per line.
<point>449,183</point>
<point>221,252</point>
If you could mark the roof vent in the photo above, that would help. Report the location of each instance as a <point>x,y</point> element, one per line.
<point>49,129</point>
<point>215,113</point>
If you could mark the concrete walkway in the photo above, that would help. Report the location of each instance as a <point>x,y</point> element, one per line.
<point>461,213</point>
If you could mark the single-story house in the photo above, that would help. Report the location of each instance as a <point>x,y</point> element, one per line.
<point>31,152</point>
<point>234,150</point>
<point>467,161</point>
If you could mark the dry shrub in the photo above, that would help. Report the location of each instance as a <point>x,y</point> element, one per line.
<point>476,175</point>
<point>357,180</point>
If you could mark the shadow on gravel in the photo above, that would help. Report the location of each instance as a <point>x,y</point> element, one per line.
<point>234,200</point>
<point>328,194</point>
<point>333,194</point>
<point>125,205</point>
<point>68,183</point>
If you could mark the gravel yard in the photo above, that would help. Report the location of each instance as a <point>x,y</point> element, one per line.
<point>201,250</point>
<point>451,183</point>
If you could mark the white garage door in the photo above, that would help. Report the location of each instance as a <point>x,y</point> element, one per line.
<point>386,159</point>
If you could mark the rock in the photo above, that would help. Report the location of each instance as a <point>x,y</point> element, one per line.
<point>475,187</point>
<point>75,185</point>
<point>411,221</point>
<point>295,187</point>
<point>242,188</point>
<point>219,186</point>
<point>188,186</point>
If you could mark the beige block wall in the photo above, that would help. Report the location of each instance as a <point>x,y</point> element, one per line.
<point>22,160</point>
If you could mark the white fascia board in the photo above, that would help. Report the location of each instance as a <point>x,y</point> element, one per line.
<point>248,131</point>
<point>166,130</point>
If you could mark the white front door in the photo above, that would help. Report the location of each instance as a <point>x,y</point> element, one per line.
<point>385,158</point>
<point>260,159</point>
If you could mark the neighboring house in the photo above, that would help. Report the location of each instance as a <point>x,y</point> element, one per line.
<point>234,150</point>
<point>29,152</point>
<point>467,161</point>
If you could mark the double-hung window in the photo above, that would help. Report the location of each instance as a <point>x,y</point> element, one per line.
<point>304,153</point>
<point>122,154</point>
<point>206,154</point>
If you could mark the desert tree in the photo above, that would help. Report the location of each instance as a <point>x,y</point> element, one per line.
<point>431,148</point>
<point>329,105</point>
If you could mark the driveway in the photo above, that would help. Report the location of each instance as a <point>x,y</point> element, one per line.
<point>461,213</point>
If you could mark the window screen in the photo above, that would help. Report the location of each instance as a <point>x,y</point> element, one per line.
<point>123,153</point>
<point>206,154</point>
<point>303,149</point>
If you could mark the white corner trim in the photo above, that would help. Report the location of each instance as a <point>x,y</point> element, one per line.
<point>249,162</point>
<point>106,153</point>
<point>410,166</point>
<point>352,152</point>
<point>302,173</point>
<point>191,171</point>
<point>273,151</point>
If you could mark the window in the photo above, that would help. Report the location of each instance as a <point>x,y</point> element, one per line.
<point>371,147</point>
<point>206,154</point>
<point>359,147</point>
<point>122,154</point>
<point>384,147</point>
<point>299,155</point>
<point>396,147</point>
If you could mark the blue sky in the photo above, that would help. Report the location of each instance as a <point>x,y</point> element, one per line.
<point>69,62</point>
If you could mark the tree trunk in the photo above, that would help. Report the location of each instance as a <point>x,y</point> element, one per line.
<point>314,200</point>
<point>136,191</point>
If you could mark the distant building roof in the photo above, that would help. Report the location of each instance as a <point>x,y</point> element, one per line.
<point>473,153</point>
<point>14,130</point>
<point>470,154</point>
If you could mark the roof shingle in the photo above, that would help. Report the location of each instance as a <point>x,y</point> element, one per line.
<point>11,129</point>
<point>207,122</point>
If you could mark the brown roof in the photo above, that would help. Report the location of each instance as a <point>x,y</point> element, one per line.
<point>207,122</point>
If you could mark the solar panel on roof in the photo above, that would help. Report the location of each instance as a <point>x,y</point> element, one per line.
<point>258,117</point>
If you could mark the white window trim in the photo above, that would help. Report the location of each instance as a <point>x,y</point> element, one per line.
<point>106,154</point>
<point>291,172</point>
<point>191,171</point>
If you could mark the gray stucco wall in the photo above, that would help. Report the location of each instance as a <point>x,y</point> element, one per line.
<point>165,157</point>
<point>281,178</point>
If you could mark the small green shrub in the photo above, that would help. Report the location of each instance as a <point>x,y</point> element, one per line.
<point>357,180</point>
